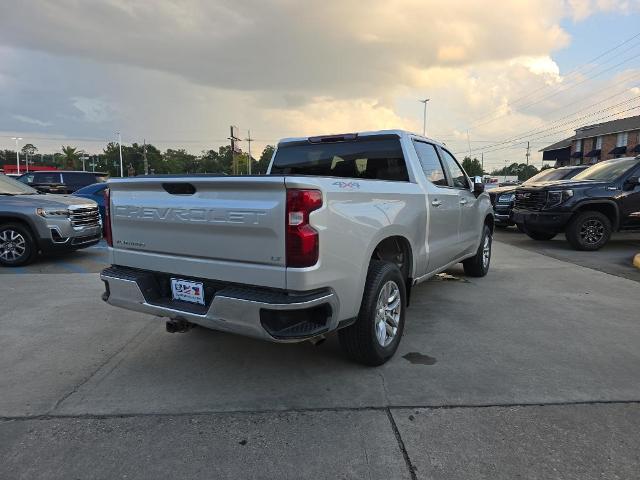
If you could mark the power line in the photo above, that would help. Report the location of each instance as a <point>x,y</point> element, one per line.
<point>567,76</point>
<point>555,126</point>
<point>546,135</point>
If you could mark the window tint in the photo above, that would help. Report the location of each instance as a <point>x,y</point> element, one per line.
<point>47,177</point>
<point>78,178</point>
<point>458,176</point>
<point>430,163</point>
<point>368,157</point>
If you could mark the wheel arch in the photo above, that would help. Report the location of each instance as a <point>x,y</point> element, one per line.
<point>18,218</point>
<point>391,245</point>
<point>609,208</point>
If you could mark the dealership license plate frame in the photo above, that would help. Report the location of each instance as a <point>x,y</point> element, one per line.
<point>189,291</point>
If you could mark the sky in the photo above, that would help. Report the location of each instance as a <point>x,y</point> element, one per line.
<point>178,73</point>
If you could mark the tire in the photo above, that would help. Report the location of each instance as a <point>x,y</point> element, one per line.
<point>539,236</point>
<point>363,341</point>
<point>590,230</point>
<point>478,265</point>
<point>17,247</point>
<point>520,227</point>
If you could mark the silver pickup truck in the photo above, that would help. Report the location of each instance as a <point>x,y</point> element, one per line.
<point>332,238</point>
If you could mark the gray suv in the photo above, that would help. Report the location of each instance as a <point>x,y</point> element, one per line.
<point>33,223</point>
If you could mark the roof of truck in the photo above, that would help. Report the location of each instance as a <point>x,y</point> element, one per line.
<point>399,133</point>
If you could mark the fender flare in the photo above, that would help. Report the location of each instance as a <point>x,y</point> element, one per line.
<point>603,201</point>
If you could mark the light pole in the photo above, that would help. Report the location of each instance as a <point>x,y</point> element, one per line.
<point>424,119</point>
<point>17,154</point>
<point>120,148</point>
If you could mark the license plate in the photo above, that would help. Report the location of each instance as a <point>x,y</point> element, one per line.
<point>187,291</point>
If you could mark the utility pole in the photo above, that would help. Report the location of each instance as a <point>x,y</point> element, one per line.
<point>469,144</point>
<point>424,117</point>
<point>528,153</point>
<point>17,154</point>
<point>120,148</point>
<point>249,140</point>
<point>234,139</point>
<point>144,157</point>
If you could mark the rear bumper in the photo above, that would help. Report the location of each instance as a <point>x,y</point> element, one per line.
<point>255,312</point>
<point>541,221</point>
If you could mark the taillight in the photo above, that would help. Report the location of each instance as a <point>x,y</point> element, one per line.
<point>302,238</point>
<point>106,228</point>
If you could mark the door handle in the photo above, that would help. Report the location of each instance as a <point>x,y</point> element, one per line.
<point>436,203</point>
<point>463,201</point>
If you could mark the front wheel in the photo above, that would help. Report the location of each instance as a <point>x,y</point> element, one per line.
<point>375,336</point>
<point>589,231</point>
<point>478,265</point>
<point>17,247</point>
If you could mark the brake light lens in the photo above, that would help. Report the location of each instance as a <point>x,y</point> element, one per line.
<point>302,238</point>
<point>106,228</point>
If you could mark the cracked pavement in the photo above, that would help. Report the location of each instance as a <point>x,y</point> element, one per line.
<point>532,371</point>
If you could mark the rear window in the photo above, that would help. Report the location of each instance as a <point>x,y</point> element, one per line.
<point>371,157</point>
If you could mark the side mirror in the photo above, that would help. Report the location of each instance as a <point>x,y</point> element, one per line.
<point>478,186</point>
<point>631,183</point>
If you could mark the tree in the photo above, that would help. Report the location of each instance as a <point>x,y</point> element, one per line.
<point>520,170</point>
<point>70,157</point>
<point>179,161</point>
<point>472,167</point>
<point>29,149</point>
<point>265,159</point>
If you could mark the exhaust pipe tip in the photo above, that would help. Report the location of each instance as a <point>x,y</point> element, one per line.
<point>178,325</point>
<point>317,341</point>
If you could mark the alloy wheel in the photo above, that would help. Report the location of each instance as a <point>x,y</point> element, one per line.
<point>12,245</point>
<point>486,251</point>
<point>388,309</point>
<point>592,231</point>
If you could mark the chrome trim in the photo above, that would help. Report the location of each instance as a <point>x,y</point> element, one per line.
<point>227,314</point>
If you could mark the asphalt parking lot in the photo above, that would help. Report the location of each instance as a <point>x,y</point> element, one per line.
<point>530,372</point>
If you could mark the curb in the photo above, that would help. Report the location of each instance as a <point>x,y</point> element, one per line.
<point>636,261</point>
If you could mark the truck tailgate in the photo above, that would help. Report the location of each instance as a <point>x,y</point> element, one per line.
<point>222,228</point>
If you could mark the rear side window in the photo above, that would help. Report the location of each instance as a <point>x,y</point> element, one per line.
<point>46,177</point>
<point>371,157</point>
<point>78,178</point>
<point>431,165</point>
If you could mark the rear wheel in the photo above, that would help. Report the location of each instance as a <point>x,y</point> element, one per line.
<point>589,230</point>
<point>478,265</point>
<point>538,235</point>
<point>17,247</point>
<point>375,336</point>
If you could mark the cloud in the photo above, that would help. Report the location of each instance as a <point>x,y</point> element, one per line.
<point>333,48</point>
<point>32,121</point>
<point>179,72</point>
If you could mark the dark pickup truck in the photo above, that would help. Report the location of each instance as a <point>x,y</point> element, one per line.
<point>588,208</point>
<point>503,198</point>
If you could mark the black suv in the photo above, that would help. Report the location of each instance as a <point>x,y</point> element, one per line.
<point>61,181</point>
<point>503,198</point>
<point>588,208</point>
